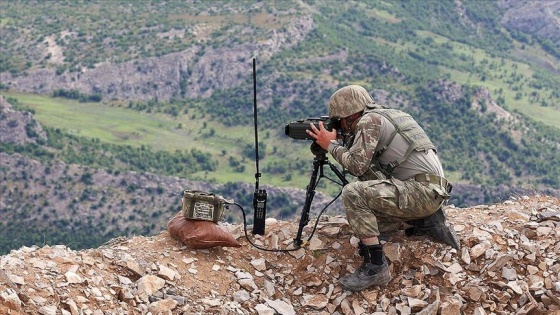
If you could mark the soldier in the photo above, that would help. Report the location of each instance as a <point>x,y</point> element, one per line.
<point>400,179</point>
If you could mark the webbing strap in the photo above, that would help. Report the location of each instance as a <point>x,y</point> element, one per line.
<point>434,179</point>
<point>406,126</point>
<point>431,178</point>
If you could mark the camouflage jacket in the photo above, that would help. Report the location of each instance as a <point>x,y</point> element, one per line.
<point>372,133</point>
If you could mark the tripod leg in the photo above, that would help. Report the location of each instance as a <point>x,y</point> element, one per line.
<point>310,193</point>
<point>338,174</point>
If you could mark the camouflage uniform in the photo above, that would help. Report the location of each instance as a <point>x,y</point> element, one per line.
<point>378,203</point>
<point>401,179</point>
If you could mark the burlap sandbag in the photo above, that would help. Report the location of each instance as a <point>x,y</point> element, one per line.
<point>198,234</point>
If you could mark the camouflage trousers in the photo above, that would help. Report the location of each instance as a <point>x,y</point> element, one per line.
<point>377,206</point>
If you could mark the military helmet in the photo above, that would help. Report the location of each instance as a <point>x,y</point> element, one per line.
<point>349,100</point>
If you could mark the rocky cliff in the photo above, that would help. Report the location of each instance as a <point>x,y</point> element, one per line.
<point>201,69</point>
<point>191,73</point>
<point>509,264</point>
<point>537,18</point>
<point>18,127</point>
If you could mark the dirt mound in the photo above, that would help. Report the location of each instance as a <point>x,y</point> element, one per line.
<point>509,264</point>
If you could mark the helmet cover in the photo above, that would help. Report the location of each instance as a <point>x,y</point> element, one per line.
<point>349,100</point>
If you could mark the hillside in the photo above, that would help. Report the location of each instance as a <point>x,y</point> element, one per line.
<point>509,264</point>
<point>192,64</point>
<point>108,110</point>
<point>83,207</point>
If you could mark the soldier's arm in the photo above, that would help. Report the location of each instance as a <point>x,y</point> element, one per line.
<point>358,157</point>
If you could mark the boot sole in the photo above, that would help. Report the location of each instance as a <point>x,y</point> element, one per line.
<point>380,282</point>
<point>436,227</point>
<point>451,238</point>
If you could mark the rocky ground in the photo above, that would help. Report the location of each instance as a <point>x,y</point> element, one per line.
<point>509,264</point>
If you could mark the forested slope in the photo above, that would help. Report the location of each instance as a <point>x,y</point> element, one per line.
<point>166,88</point>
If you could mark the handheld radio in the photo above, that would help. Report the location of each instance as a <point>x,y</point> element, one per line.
<point>259,196</point>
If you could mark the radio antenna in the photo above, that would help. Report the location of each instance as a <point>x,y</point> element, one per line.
<point>259,196</point>
<point>257,174</point>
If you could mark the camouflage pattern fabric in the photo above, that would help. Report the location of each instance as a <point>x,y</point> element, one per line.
<point>357,158</point>
<point>376,203</point>
<point>349,100</point>
<point>408,128</point>
<point>376,206</point>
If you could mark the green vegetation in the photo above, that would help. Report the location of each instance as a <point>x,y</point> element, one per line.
<point>121,139</point>
<point>82,34</point>
<point>411,50</point>
<point>77,95</point>
<point>399,47</point>
<point>112,124</point>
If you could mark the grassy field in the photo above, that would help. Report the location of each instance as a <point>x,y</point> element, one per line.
<point>123,126</point>
<point>525,106</point>
<point>501,70</point>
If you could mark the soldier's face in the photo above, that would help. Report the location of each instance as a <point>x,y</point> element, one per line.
<point>348,122</point>
<point>344,124</point>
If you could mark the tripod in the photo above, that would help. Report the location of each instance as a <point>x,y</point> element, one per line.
<point>318,162</point>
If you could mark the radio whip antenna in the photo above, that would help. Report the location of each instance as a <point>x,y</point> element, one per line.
<point>259,196</point>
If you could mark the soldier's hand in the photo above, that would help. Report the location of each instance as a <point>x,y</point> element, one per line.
<point>321,135</point>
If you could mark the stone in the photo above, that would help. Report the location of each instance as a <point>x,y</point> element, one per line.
<point>17,279</point>
<point>135,267</point>
<point>452,307</point>
<point>509,273</point>
<point>163,306</point>
<point>412,291</point>
<point>500,262</point>
<point>315,244</point>
<point>392,251</point>
<point>150,284</point>
<point>241,296</point>
<point>262,309</point>
<point>416,304</point>
<point>479,249</point>
<point>281,307</point>
<point>72,278</point>
<point>47,310</point>
<point>10,299</point>
<point>315,301</point>
<point>259,264</point>
<point>166,272</point>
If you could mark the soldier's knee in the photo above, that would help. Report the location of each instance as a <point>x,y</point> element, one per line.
<point>351,191</point>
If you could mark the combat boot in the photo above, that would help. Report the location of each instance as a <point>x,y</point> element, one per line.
<point>373,271</point>
<point>437,227</point>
